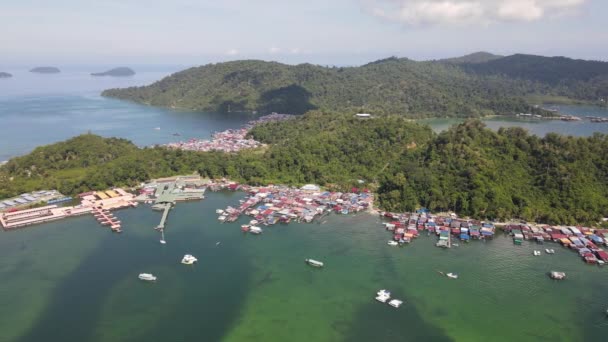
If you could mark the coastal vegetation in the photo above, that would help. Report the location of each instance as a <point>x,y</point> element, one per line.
<point>472,86</point>
<point>468,169</point>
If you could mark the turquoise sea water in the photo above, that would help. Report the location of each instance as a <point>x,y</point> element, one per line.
<point>540,127</point>
<point>41,109</point>
<point>75,281</point>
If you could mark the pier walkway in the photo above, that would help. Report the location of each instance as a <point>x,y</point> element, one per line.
<point>163,219</point>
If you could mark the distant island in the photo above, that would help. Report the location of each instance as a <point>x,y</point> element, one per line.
<point>5,75</point>
<point>475,85</point>
<point>122,71</point>
<point>46,70</point>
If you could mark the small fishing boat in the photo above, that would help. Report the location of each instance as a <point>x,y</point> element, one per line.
<point>452,275</point>
<point>314,263</point>
<point>393,243</point>
<point>189,259</point>
<point>396,303</point>
<point>147,277</point>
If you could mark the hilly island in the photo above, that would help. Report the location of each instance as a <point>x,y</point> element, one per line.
<point>476,85</point>
<point>468,169</point>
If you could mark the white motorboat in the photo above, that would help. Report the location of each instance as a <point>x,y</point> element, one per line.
<point>255,230</point>
<point>550,251</point>
<point>163,242</point>
<point>452,275</point>
<point>536,253</point>
<point>219,211</point>
<point>222,218</point>
<point>253,222</point>
<point>383,296</point>
<point>147,277</point>
<point>557,275</point>
<point>393,243</point>
<point>314,263</point>
<point>396,303</point>
<point>189,259</point>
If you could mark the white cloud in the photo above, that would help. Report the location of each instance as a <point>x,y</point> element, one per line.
<point>274,50</point>
<point>462,12</point>
<point>295,51</point>
<point>232,52</point>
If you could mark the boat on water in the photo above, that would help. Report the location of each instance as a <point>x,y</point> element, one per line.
<point>557,275</point>
<point>157,128</point>
<point>163,242</point>
<point>222,218</point>
<point>219,211</point>
<point>255,230</point>
<point>217,243</point>
<point>314,263</point>
<point>550,251</point>
<point>147,277</point>
<point>383,296</point>
<point>245,228</point>
<point>536,253</point>
<point>393,243</point>
<point>396,303</point>
<point>253,222</point>
<point>189,259</point>
<point>452,275</point>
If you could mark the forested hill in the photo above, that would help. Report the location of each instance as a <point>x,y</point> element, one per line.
<point>472,86</point>
<point>395,86</point>
<point>576,78</point>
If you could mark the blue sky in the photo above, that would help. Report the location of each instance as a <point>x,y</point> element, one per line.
<point>337,32</point>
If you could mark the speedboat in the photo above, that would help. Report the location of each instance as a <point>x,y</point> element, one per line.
<point>314,263</point>
<point>550,251</point>
<point>536,253</point>
<point>452,275</point>
<point>219,211</point>
<point>557,275</point>
<point>393,243</point>
<point>253,222</point>
<point>189,259</point>
<point>163,242</point>
<point>222,218</point>
<point>396,303</point>
<point>383,296</point>
<point>147,277</point>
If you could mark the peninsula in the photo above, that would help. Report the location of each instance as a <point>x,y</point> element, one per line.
<point>475,85</point>
<point>5,75</point>
<point>117,72</point>
<point>45,70</point>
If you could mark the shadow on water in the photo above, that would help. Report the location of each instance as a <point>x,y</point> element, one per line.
<point>203,312</point>
<point>370,324</point>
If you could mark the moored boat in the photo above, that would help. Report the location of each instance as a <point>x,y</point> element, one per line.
<point>255,230</point>
<point>536,253</point>
<point>147,277</point>
<point>396,303</point>
<point>189,259</point>
<point>557,275</point>
<point>393,243</point>
<point>314,263</point>
<point>452,275</point>
<point>383,296</point>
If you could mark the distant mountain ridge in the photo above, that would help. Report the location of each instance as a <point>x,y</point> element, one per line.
<point>45,70</point>
<point>470,86</point>
<point>5,75</point>
<point>476,57</point>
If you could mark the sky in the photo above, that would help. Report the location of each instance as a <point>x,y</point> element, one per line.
<point>327,32</point>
